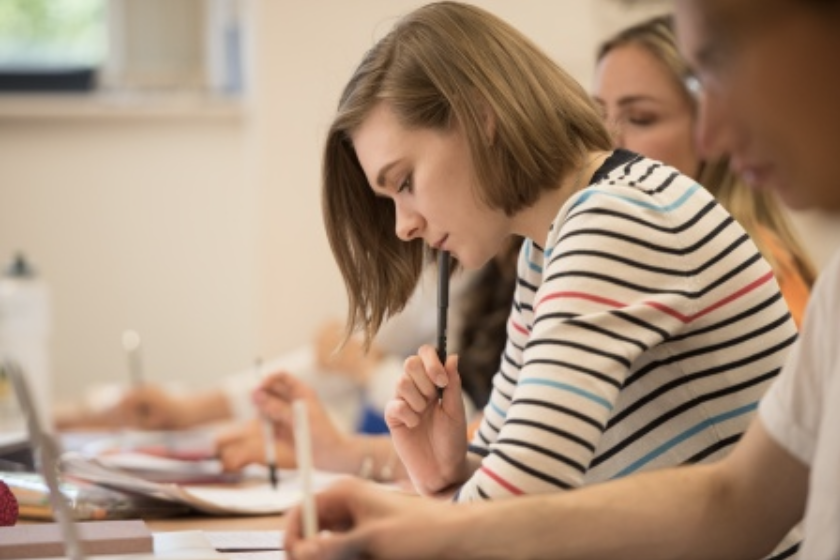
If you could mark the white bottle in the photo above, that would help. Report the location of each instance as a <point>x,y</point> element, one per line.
<point>25,326</point>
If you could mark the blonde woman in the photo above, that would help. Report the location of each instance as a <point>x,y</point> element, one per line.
<point>650,101</point>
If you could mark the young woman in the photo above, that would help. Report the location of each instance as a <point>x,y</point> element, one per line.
<point>645,325</point>
<point>650,101</point>
<point>640,302</point>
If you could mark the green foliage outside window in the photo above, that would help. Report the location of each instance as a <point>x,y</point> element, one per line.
<point>52,33</point>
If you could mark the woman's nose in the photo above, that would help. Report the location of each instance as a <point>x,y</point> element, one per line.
<point>409,223</point>
<point>616,130</point>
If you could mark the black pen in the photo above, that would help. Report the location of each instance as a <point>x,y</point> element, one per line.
<point>268,436</point>
<point>443,308</point>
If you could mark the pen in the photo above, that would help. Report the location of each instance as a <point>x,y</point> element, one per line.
<point>268,436</point>
<point>303,455</point>
<point>131,344</point>
<point>443,308</point>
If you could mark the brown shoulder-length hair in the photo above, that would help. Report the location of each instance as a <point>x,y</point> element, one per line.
<point>756,211</point>
<point>442,64</point>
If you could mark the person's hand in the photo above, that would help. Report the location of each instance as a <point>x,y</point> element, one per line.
<point>428,434</point>
<point>243,444</point>
<point>350,359</point>
<point>150,407</point>
<point>360,520</point>
<point>274,396</point>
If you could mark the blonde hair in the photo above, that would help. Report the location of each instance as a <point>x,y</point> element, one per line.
<point>448,64</point>
<point>758,212</point>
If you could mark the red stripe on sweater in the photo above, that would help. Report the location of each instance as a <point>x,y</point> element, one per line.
<point>502,482</point>
<point>519,327</point>
<point>581,295</point>
<point>664,308</point>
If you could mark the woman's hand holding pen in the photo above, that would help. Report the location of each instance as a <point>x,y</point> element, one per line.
<point>361,520</point>
<point>243,445</point>
<point>274,397</point>
<point>428,433</point>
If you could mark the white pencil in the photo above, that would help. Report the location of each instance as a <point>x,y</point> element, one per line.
<point>303,454</point>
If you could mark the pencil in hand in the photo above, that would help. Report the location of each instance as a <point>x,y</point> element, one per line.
<point>443,309</point>
<point>268,437</point>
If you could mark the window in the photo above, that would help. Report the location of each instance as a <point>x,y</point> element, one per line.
<point>122,45</point>
<point>51,44</point>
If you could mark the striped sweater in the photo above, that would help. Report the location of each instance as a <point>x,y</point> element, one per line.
<point>642,335</point>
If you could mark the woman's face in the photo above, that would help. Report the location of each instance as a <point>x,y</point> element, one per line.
<point>648,112</point>
<point>430,177</point>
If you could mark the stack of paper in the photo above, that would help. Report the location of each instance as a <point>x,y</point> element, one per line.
<point>244,498</point>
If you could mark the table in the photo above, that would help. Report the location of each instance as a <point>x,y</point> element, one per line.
<point>214,523</point>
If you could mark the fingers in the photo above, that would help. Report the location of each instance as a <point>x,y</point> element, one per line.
<point>340,508</point>
<point>236,455</point>
<point>361,520</point>
<point>452,400</point>
<point>415,386</point>
<point>398,415</point>
<point>435,370</point>
<point>335,512</point>
<point>275,394</point>
<point>286,386</point>
<point>327,546</point>
<point>244,445</point>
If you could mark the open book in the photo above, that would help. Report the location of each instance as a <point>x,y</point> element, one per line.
<point>244,498</point>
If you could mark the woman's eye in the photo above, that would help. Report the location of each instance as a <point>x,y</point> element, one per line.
<point>642,120</point>
<point>405,185</point>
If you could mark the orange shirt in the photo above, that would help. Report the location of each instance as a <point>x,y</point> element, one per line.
<point>793,286</point>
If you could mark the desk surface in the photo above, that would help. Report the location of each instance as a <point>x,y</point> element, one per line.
<point>213,523</point>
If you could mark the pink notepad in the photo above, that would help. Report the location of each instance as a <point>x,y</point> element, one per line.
<point>44,540</point>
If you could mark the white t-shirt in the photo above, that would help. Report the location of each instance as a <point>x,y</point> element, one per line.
<point>802,413</point>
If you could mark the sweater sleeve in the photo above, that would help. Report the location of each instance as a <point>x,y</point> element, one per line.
<point>586,310</point>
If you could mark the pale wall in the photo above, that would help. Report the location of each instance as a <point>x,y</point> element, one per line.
<point>205,235</point>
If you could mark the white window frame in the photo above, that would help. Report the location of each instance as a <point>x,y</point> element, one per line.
<point>174,45</point>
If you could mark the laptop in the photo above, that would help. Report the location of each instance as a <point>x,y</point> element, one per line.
<point>47,455</point>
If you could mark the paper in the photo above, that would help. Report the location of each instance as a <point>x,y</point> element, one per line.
<point>262,555</point>
<point>241,541</point>
<point>234,545</point>
<point>181,541</point>
<point>163,469</point>
<point>245,498</point>
<point>186,445</point>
